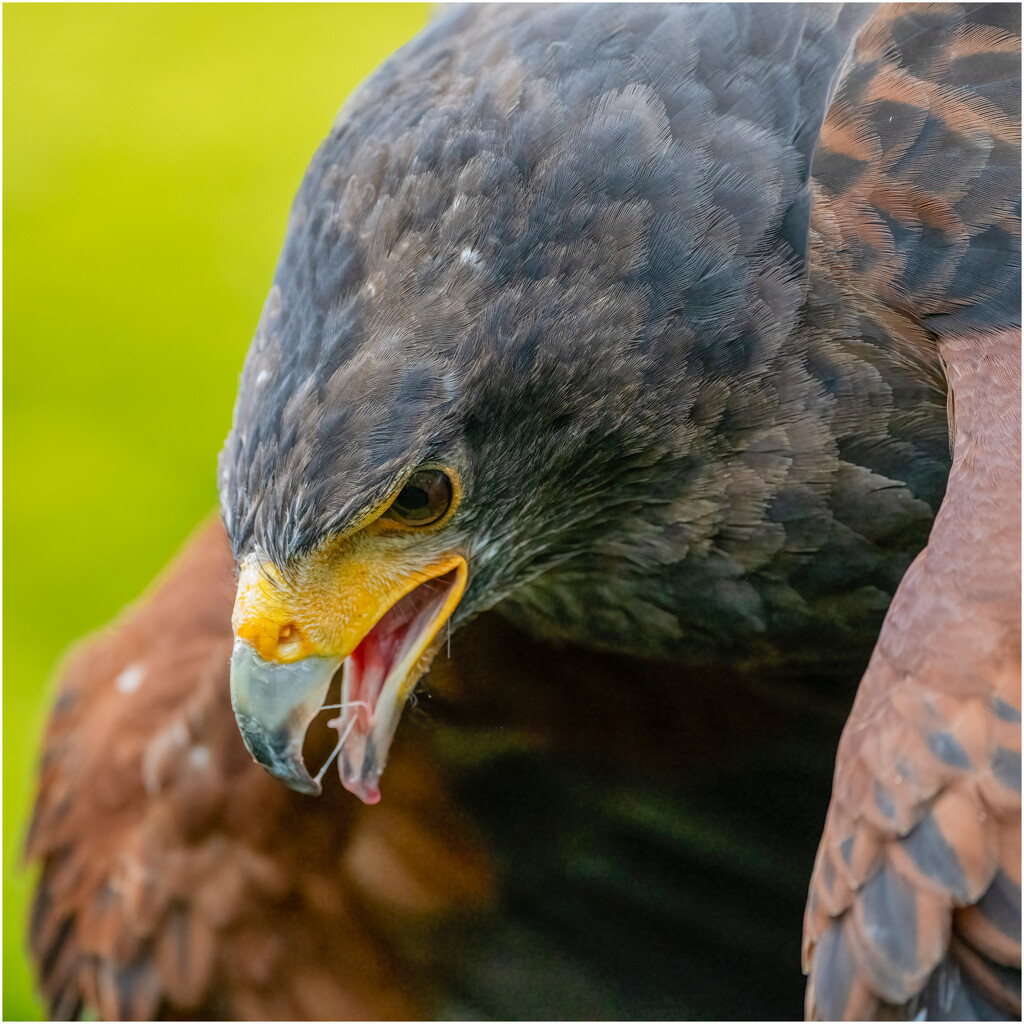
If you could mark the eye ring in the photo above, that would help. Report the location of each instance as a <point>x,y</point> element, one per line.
<point>425,498</point>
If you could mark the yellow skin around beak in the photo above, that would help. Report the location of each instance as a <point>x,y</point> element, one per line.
<point>331,605</point>
<point>292,634</point>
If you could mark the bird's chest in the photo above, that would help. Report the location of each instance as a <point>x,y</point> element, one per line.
<point>649,829</point>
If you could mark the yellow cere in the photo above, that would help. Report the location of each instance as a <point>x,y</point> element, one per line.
<point>335,599</point>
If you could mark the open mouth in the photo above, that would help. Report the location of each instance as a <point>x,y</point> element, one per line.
<point>276,700</point>
<point>380,674</point>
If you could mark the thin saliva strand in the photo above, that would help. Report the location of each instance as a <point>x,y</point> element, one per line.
<point>347,704</point>
<point>344,736</point>
<point>337,749</point>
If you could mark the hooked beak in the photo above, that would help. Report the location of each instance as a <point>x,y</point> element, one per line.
<point>274,705</point>
<point>290,640</point>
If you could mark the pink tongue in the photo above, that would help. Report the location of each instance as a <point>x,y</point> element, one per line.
<point>385,644</point>
<point>370,663</point>
<point>368,666</point>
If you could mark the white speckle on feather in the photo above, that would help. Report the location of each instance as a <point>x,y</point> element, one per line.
<point>130,679</point>
<point>470,256</point>
<point>262,377</point>
<point>371,289</point>
<point>199,756</point>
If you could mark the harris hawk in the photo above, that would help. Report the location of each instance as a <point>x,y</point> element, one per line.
<point>638,359</point>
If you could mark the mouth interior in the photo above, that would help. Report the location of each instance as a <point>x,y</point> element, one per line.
<point>394,642</point>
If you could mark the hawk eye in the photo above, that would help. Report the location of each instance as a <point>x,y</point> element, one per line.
<point>423,500</point>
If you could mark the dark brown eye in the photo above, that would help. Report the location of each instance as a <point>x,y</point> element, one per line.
<point>423,500</point>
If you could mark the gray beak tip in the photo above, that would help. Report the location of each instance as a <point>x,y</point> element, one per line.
<point>274,753</point>
<point>274,705</point>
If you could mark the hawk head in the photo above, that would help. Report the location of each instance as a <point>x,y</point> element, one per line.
<point>515,276</point>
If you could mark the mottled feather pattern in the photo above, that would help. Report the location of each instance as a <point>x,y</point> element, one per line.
<point>918,164</point>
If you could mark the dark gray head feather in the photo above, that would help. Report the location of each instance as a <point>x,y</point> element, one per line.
<point>591,197</point>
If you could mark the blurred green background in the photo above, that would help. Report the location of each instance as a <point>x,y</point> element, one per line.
<point>150,157</point>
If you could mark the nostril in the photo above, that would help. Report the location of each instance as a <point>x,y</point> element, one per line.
<point>291,642</point>
<point>273,639</point>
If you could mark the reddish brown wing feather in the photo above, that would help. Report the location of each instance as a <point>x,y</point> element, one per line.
<point>922,839</point>
<point>916,887</point>
<point>180,880</point>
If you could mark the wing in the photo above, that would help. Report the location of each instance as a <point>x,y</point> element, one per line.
<point>637,843</point>
<point>178,879</point>
<point>914,903</point>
